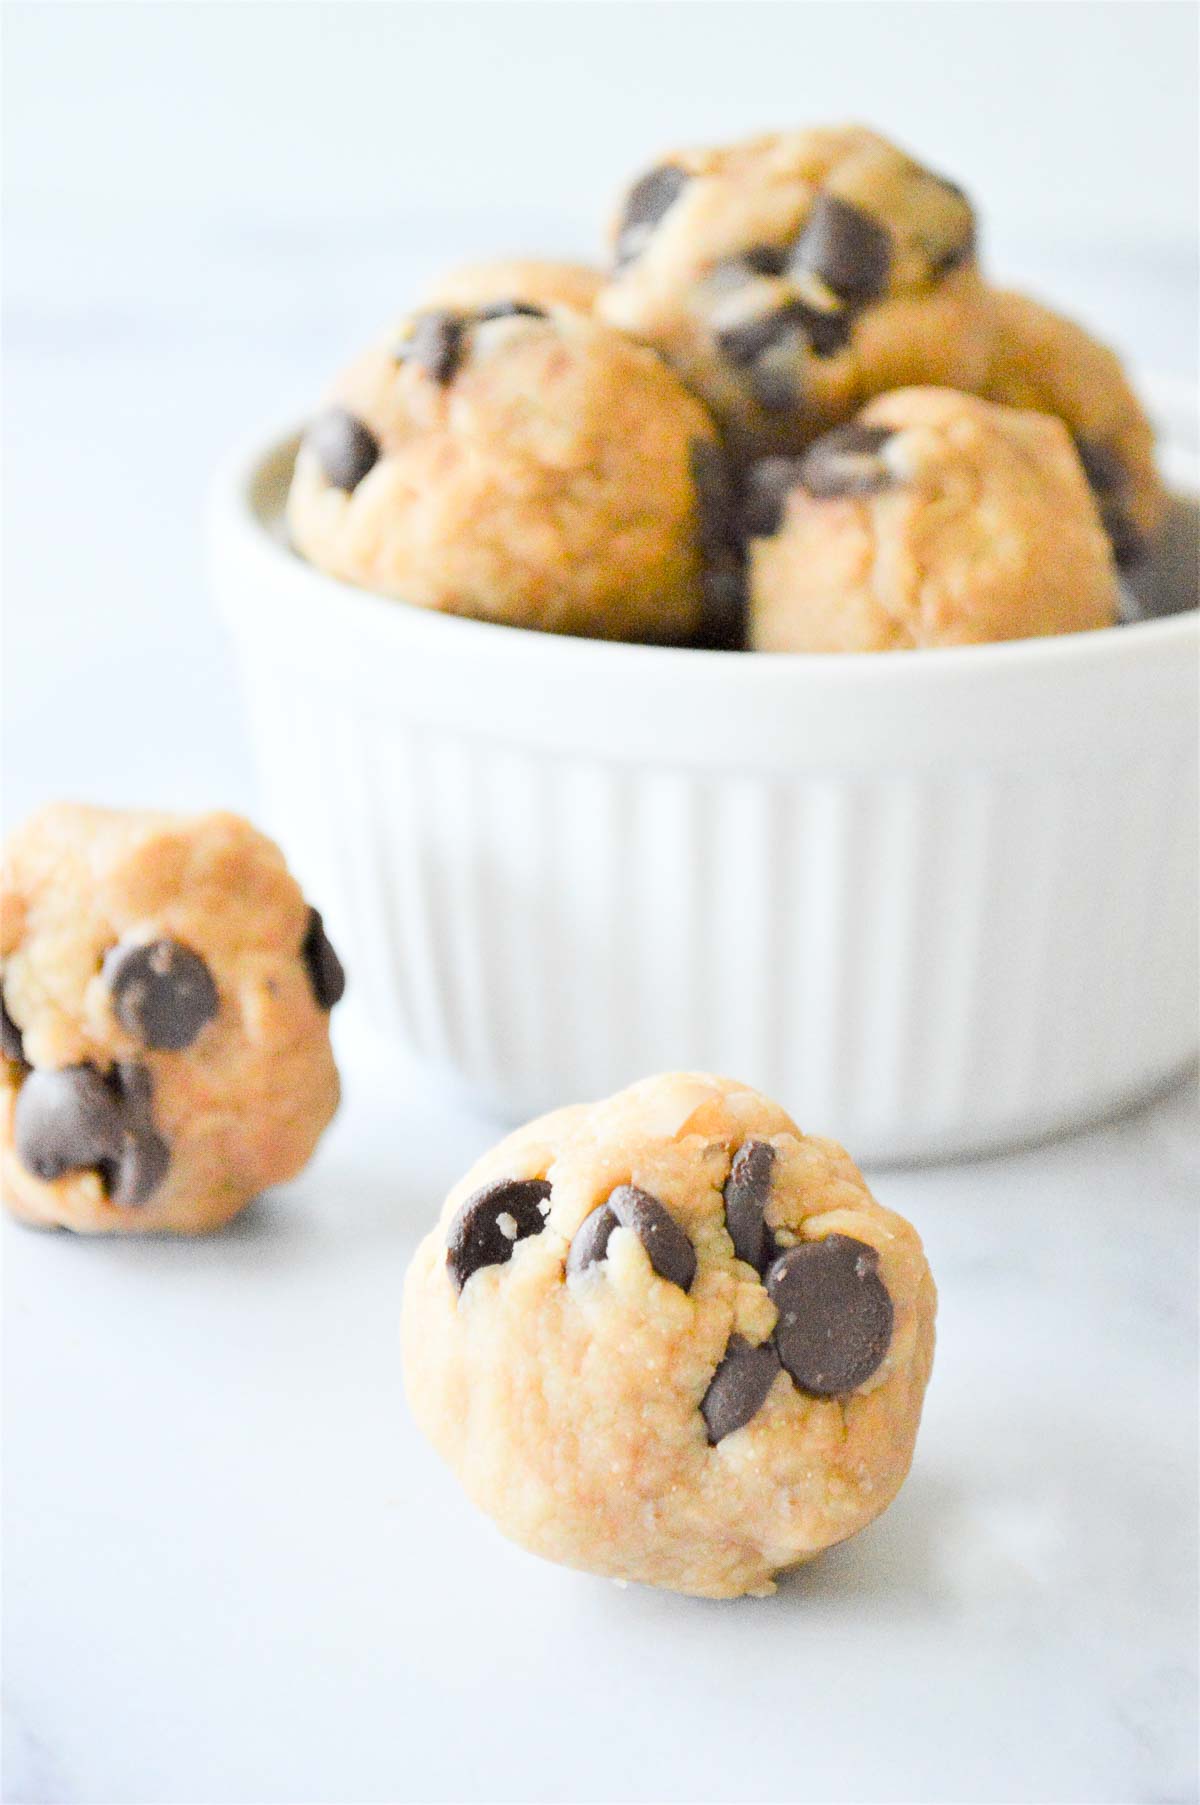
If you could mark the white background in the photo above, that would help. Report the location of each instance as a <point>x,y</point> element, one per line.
<point>232,1571</point>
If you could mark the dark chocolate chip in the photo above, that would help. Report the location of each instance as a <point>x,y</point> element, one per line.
<point>768,483</point>
<point>723,606</point>
<point>325,969</point>
<point>767,259</point>
<point>162,993</point>
<point>716,494</point>
<point>1167,579</point>
<point>847,462</point>
<point>747,1192</point>
<point>825,334</point>
<point>846,248</point>
<point>345,448</point>
<point>509,310</point>
<point>11,1044</point>
<point>78,1119</point>
<point>1102,466</point>
<point>591,1239</point>
<point>649,199</point>
<point>835,1315</point>
<point>142,1163</point>
<point>491,1222</point>
<point>670,1252</point>
<point>739,1387</point>
<point>1129,544</point>
<point>435,345</point>
<point>723,578</point>
<point>1109,479</point>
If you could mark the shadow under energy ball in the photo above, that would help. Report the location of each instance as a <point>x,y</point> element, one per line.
<point>166,998</point>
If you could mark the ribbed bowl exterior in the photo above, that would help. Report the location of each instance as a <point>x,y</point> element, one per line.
<point>930,909</point>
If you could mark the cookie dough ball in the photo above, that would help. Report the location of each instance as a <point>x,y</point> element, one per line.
<point>517,465</point>
<point>166,998</point>
<point>790,278</point>
<point>1041,360</point>
<point>934,519</point>
<point>670,1338</point>
<point>535,281</point>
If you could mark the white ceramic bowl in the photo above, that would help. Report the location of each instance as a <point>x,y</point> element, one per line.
<point>933,902</point>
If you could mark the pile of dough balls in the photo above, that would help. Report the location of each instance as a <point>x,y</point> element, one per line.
<point>670,1338</point>
<point>165,1020</point>
<point>550,446</point>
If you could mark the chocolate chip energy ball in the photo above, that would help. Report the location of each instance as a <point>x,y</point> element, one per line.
<point>669,1338</point>
<point>536,281</point>
<point>1043,361</point>
<point>934,519</point>
<point>166,998</point>
<point>513,464</point>
<point>790,278</point>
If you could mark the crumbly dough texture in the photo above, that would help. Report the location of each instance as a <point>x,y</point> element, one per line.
<point>935,519</point>
<point>1042,360</point>
<point>790,277</point>
<point>535,469</point>
<point>243,1104</point>
<point>539,281</point>
<point>569,1406</point>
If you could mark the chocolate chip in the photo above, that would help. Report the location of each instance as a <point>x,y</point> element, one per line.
<point>847,462</point>
<point>835,1315</point>
<point>747,1192</point>
<point>767,485</point>
<point>491,1222</point>
<point>11,1044</point>
<point>508,310</point>
<point>746,342</point>
<point>325,970</point>
<point>435,345</point>
<point>78,1119</point>
<point>649,199</point>
<point>767,259</point>
<point>723,576</point>
<point>591,1239</point>
<point>723,607</point>
<point>344,447</point>
<point>846,248</point>
<point>162,992</point>
<point>1102,466</point>
<point>1128,542</point>
<point>1109,480</point>
<point>142,1162</point>
<point>670,1252</point>
<point>739,1387</point>
<point>1167,580</point>
<point>716,494</point>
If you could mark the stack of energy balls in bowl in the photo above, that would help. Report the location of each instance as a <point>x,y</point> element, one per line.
<point>794,416</point>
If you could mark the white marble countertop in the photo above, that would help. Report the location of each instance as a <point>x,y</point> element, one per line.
<point>232,1571</point>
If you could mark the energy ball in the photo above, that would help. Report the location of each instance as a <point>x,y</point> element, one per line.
<point>791,277</point>
<point>533,280</point>
<point>1043,361</point>
<point>166,999</point>
<point>670,1338</point>
<point>934,519</point>
<point>518,465</point>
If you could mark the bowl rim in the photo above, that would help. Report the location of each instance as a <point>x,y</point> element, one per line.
<point>241,517</point>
